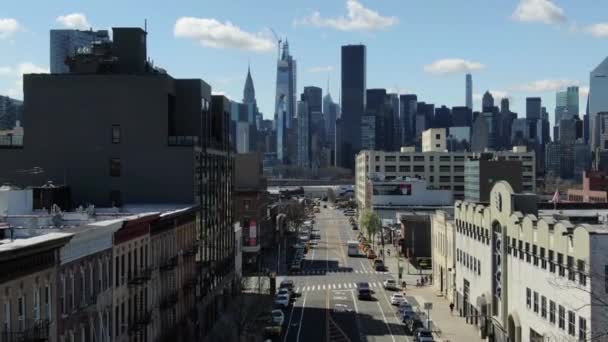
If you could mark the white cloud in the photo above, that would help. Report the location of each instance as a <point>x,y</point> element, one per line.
<point>6,71</point>
<point>214,34</point>
<point>8,27</point>
<point>222,93</point>
<point>538,11</point>
<point>358,18</point>
<point>74,21</point>
<point>16,91</point>
<point>452,65</point>
<point>598,30</point>
<point>547,85</point>
<point>318,69</point>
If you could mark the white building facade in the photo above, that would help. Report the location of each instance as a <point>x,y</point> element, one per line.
<point>523,275</point>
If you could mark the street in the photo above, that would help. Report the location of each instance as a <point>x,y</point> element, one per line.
<point>327,308</point>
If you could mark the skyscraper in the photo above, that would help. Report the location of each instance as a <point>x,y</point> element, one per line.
<point>487,102</point>
<point>598,101</point>
<point>443,117</point>
<point>314,97</point>
<point>504,105</point>
<point>249,89</point>
<point>304,130</point>
<point>65,43</point>
<point>330,114</point>
<point>461,117</point>
<point>285,101</point>
<point>469,91</point>
<point>353,102</point>
<point>286,85</point>
<point>407,112</point>
<point>396,125</point>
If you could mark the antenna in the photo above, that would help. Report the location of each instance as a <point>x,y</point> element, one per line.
<point>146,25</point>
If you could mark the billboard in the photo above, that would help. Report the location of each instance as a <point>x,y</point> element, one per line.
<point>400,189</point>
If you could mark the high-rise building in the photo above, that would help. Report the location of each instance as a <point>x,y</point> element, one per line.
<point>566,104</point>
<point>480,175</point>
<point>65,43</point>
<point>304,133</point>
<point>469,91</point>
<point>249,89</point>
<point>285,99</point>
<point>10,112</point>
<point>443,117</point>
<point>598,101</point>
<point>487,102</point>
<point>314,96</point>
<point>393,100</point>
<point>353,103</point>
<point>379,106</point>
<point>330,114</point>
<point>533,108</point>
<point>461,116</point>
<point>504,105</point>
<point>407,118</point>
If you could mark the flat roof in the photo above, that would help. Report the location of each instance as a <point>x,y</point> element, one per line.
<point>8,245</point>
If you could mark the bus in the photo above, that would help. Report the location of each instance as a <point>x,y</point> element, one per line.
<point>353,248</point>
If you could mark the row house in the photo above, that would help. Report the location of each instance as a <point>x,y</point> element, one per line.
<point>28,283</point>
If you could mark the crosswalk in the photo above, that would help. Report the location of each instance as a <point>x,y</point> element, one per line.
<point>334,286</point>
<point>336,270</point>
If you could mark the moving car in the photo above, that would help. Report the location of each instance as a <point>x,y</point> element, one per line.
<point>288,285</point>
<point>397,299</point>
<point>281,301</point>
<point>390,284</point>
<point>423,335</point>
<point>363,291</point>
<point>378,265</point>
<point>371,254</point>
<point>278,317</point>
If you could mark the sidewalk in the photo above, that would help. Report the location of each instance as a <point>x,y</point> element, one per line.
<point>449,327</point>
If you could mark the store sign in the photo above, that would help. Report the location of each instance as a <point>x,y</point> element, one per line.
<point>403,189</point>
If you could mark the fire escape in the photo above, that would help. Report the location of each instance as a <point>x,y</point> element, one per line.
<point>142,317</point>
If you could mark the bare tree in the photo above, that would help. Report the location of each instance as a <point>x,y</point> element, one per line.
<point>331,195</point>
<point>370,223</point>
<point>295,214</point>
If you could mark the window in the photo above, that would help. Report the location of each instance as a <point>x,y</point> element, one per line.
<point>117,321</point>
<point>458,158</point>
<point>418,168</point>
<point>543,307</point>
<point>582,278</point>
<point>444,158</point>
<point>560,264</point>
<point>535,301</point>
<point>389,158</point>
<point>552,262</point>
<point>99,275</point>
<point>521,249</point>
<point>21,312</point>
<point>115,134</point>
<point>390,168</point>
<point>458,168</point>
<point>582,329</point>
<point>432,168</point>
<point>246,204</point>
<point>83,287</point>
<point>606,278</point>
<point>36,303</point>
<point>437,136</point>
<point>7,315</point>
<point>562,319</point>
<point>571,271</point>
<point>527,252</point>
<point>117,271</point>
<point>571,323</point>
<point>404,158</point>
<point>63,297</point>
<point>377,168</point>
<point>444,179</point>
<point>377,158</point>
<point>404,168</point>
<point>115,167</point>
<point>72,291</point>
<point>122,269</point>
<point>478,267</point>
<point>123,324</point>
<point>552,312</point>
<point>437,145</point>
<point>543,261</point>
<point>535,254</point>
<point>47,301</point>
<point>418,158</point>
<point>528,298</point>
<point>444,168</point>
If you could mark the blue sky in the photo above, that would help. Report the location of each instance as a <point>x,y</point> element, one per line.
<point>515,48</point>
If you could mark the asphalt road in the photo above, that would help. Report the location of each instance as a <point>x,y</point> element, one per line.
<point>328,308</point>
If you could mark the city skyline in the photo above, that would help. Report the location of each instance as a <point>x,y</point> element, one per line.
<point>215,43</point>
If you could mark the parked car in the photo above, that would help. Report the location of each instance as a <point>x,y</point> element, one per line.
<point>285,292</point>
<point>355,227</point>
<point>281,301</point>
<point>273,331</point>
<point>371,254</point>
<point>397,299</point>
<point>423,335</point>
<point>278,317</point>
<point>390,284</point>
<point>287,284</point>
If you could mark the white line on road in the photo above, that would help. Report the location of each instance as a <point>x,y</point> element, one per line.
<point>386,322</point>
<point>301,317</point>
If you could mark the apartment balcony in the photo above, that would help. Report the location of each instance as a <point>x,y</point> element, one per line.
<point>169,263</point>
<point>141,277</point>
<point>33,331</point>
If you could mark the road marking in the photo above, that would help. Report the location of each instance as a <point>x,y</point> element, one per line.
<point>297,289</point>
<point>301,317</point>
<point>289,323</point>
<point>386,322</point>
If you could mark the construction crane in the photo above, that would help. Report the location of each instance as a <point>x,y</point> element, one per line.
<point>279,41</point>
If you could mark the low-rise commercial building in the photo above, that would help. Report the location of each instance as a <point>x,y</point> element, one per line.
<point>528,274</point>
<point>406,192</point>
<point>442,242</point>
<point>595,188</point>
<point>480,175</point>
<point>442,170</point>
